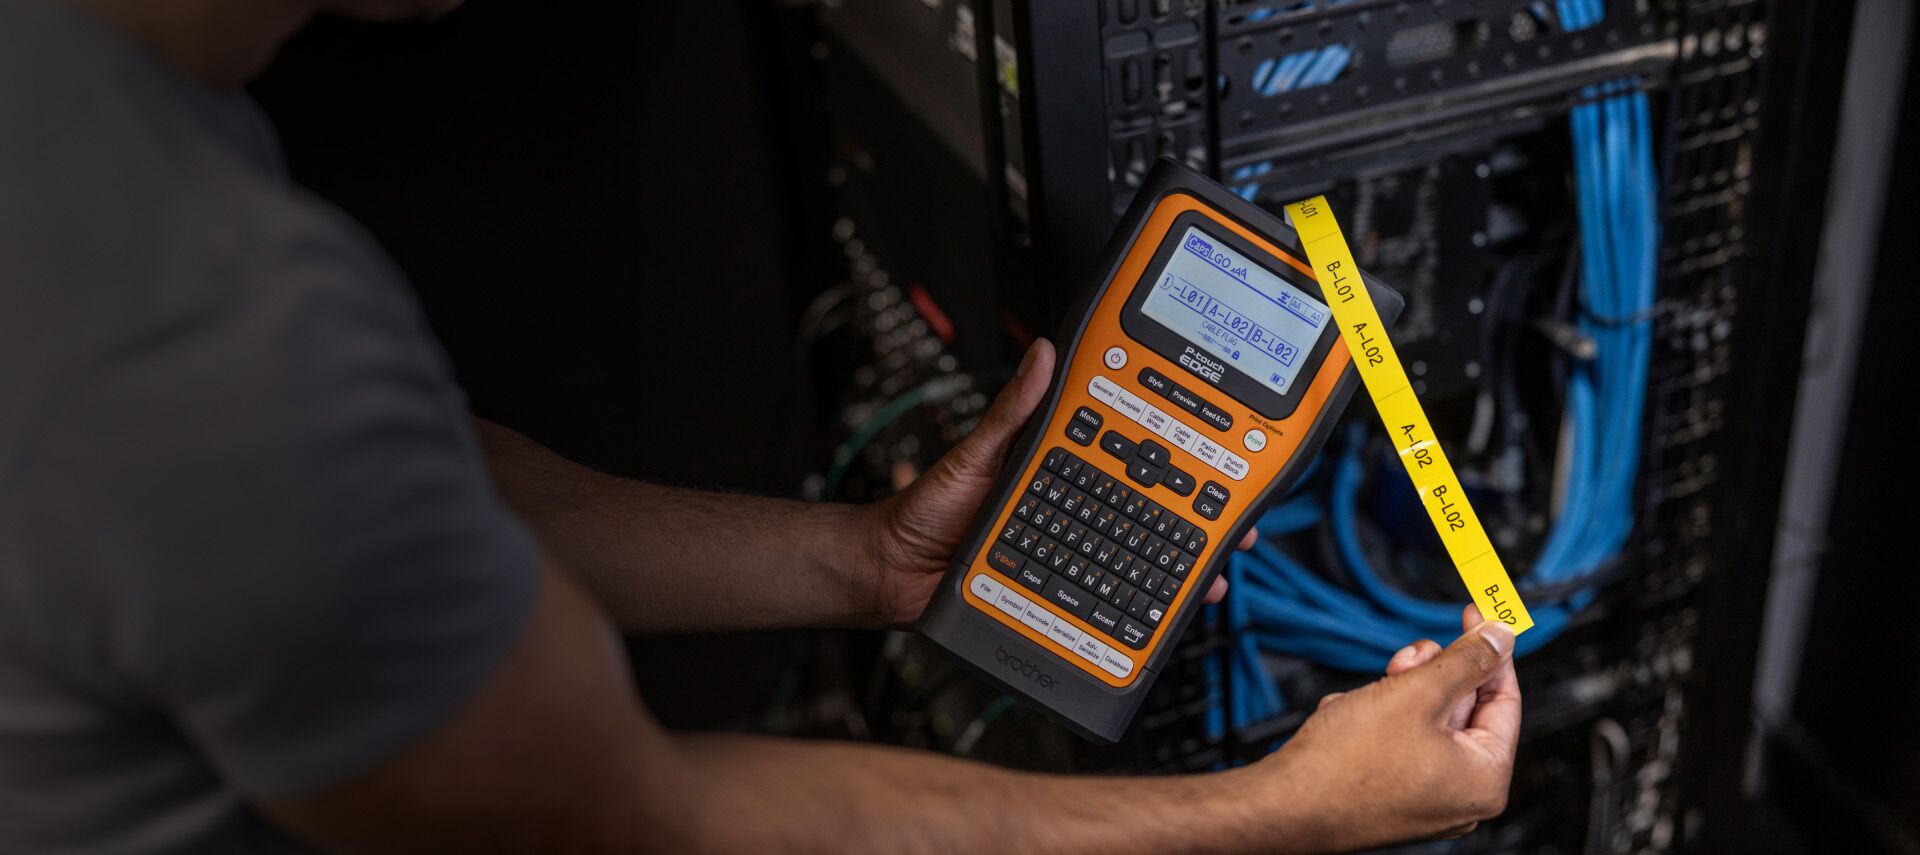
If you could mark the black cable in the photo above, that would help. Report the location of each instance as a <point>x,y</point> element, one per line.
<point>1640,317</point>
<point>1601,575</point>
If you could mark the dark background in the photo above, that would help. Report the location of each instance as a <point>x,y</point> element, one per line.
<point>602,221</point>
<point>586,196</point>
<point>1848,770</point>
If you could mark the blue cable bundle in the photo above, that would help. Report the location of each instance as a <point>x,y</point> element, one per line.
<point>1278,605</point>
<point>1302,70</point>
<point>1291,73</point>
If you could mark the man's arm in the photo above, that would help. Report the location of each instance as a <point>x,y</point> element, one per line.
<point>664,560</point>
<point>661,559</point>
<point>555,754</point>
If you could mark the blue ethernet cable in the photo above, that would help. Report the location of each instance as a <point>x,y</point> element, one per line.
<point>1279,605</point>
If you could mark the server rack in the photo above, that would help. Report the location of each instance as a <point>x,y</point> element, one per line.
<point>1046,114</point>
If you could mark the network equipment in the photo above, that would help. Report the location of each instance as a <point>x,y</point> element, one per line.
<point>1555,187</point>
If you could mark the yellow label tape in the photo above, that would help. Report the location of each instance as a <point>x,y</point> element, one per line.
<point>1412,436</point>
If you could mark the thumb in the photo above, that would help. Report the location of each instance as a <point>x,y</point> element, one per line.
<point>985,448</point>
<point>1467,664</point>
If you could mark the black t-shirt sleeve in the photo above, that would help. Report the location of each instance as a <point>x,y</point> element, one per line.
<point>272,503</point>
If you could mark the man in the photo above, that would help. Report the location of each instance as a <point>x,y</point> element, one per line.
<point>260,589</point>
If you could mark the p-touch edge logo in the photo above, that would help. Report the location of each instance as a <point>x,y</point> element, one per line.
<point>1198,363</point>
<point>1022,667</point>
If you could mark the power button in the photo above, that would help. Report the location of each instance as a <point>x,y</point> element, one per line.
<point>1116,358</point>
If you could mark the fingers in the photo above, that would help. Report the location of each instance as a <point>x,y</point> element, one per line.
<point>1462,711</point>
<point>1413,656</point>
<point>1506,679</point>
<point>1495,719</point>
<point>1327,699</point>
<point>985,449</point>
<point>1246,543</point>
<point>1420,653</point>
<point>1457,831</point>
<point>1476,658</point>
<point>1218,591</point>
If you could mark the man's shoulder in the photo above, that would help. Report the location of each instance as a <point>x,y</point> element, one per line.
<point>114,255</point>
<point>145,215</point>
<point>133,192</point>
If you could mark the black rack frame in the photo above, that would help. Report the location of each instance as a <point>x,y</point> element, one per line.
<point>1744,163</point>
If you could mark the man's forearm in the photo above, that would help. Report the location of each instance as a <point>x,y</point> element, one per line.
<point>761,794</point>
<point>663,559</point>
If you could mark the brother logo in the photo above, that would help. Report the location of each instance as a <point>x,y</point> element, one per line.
<point>1023,668</point>
<point>1198,363</point>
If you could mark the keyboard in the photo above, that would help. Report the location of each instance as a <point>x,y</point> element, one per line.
<point>1094,547</point>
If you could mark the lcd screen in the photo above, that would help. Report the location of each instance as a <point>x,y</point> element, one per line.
<point>1236,310</point>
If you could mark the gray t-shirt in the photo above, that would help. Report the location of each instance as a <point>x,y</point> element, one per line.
<point>248,549</point>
